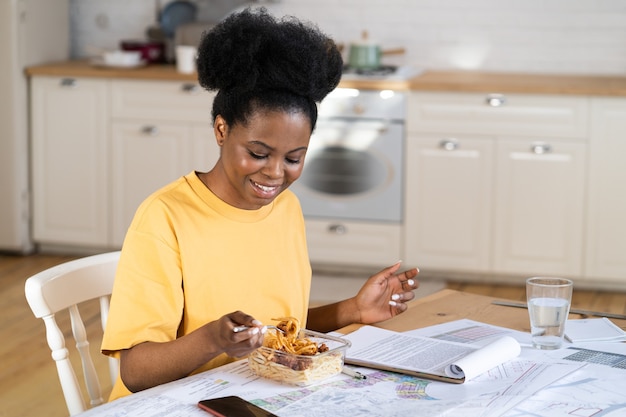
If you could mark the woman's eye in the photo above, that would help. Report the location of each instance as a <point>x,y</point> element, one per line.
<point>292,161</point>
<point>257,156</point>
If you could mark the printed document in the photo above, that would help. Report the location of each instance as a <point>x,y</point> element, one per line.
<point>441,360</point>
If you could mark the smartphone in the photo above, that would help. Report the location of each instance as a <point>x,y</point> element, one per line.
<point>233,406</point>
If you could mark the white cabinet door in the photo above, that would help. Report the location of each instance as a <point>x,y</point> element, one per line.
<point>69,161</point>
<point>500,114</point>
<point>539,201</point>
<point>160,100</point>
<point>448,202</point>
<point>353,243</point>
<point>145,157</point>
<point>606,226</point>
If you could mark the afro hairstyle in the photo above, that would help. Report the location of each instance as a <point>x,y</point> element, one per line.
<point>258,62</point>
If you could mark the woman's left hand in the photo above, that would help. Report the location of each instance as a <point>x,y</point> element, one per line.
<point>385,294</point>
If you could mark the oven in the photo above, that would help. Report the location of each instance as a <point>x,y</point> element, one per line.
<point>351,188</point>
<point>353,168</point>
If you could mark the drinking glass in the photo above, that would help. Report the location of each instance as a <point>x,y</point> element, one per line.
<point>549,300</point>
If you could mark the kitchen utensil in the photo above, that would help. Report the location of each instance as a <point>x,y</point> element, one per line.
<point>151,51</point>
<point>174,14</point>
<point>367,55</point>
<point>243,327</point>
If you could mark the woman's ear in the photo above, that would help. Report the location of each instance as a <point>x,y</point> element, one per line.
<point>219,129</point>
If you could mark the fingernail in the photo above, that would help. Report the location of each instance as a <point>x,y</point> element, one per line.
<point>393,303</point>
<point>256,322</point>
<point>410,282</point>
<point>255,330</point>
<point>395,296</point>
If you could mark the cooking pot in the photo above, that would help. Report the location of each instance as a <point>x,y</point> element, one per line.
<point>367,55</point>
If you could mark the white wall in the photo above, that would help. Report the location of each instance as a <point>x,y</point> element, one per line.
<point>546,36</point>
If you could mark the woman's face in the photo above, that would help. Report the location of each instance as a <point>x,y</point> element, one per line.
<point>260,160</point>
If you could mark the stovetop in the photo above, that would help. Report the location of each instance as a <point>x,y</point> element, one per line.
<point>384,72</point>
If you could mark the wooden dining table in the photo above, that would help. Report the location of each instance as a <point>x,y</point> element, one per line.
<point>438,308</point>
<point>448,305</point>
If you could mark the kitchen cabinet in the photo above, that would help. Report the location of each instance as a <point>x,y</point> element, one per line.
<point>346,242</point>
<point>496,183</point>
<point>539,207</point>
<point>160,131</point>
<point>70,154</point>
<point>606,226</point>
<point>101,146</point>
<point>449,202</point>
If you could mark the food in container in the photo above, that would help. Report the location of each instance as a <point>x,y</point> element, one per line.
<point>322,357</point>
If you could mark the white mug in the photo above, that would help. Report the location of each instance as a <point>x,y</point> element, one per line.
<point>186,59</point>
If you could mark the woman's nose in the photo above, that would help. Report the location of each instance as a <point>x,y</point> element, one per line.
<point>273,168</point>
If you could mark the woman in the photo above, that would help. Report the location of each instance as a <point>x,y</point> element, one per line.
<point>220,249</point>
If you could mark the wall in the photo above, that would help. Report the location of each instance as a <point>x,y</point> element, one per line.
<point>545,36</point>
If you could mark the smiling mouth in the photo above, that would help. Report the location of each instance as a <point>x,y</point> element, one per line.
<point>266,190</point>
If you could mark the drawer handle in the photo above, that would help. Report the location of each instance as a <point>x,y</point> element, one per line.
<point>495,100</point>
<point>540,148</point>
<point>449,144</point>
<point>190,88</point>
<point>338,229</point>
<point>68,83</point>
<point>150,130</point>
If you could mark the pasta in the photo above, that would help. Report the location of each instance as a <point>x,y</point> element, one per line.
<point>297,357</point>
<point>289,341</point>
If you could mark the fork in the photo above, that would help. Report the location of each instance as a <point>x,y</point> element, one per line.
<point>239,329</point>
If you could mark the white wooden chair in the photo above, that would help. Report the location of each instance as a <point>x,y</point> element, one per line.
<point>64,287</point>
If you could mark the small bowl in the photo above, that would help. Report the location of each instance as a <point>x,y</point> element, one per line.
<point>301,370</point>
<point>122,58</point>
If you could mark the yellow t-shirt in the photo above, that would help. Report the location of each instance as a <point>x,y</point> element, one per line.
<point>189,258</point>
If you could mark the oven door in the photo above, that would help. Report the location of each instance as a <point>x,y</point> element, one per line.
<point>353,170</point>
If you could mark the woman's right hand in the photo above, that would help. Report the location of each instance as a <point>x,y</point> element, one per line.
<point>239,343</point>
<point>153,363</point>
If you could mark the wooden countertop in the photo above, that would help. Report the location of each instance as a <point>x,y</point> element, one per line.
<point>486,82</point>
<point>451,81</point>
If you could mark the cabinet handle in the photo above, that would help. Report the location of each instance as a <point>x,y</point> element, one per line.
<point>150,130</point>
<point>540,148</point>
<point>190,88</point>
<point>449,144</point>
<point>495,100</point>
<point>68,82</point>
<point>338,229</point>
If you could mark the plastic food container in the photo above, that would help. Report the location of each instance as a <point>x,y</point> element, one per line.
<point>301,370</point>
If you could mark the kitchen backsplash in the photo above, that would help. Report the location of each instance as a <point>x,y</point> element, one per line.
<point>541,36</point>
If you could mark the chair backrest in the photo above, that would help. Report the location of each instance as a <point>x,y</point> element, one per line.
<point>63,287</point>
